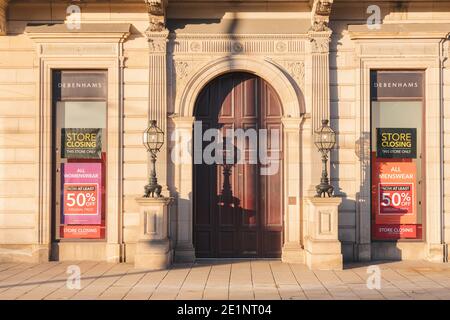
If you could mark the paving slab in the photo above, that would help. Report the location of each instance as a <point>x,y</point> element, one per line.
<point>225,279</point>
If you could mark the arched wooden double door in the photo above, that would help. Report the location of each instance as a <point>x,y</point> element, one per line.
<point>237,208</point>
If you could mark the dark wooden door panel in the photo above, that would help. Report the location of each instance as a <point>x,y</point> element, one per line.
<point>238,211</point>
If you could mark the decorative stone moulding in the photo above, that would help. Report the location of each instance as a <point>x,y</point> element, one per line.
<point>191,52</point>
<point>238,44</point>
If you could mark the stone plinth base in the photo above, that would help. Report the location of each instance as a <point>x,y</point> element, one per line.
<point>27,253</point>
<point>79,251</point>
<point>154,255</point>
<point>292,253</point>
<point>323,255</point>
<point>184,252</point>
<point>322,247</point>
<point>153,249</point>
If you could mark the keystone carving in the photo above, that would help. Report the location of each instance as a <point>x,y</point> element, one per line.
<point>156,15</point>
<point>320,15</point>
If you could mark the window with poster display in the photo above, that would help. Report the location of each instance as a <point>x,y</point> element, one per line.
<point>79,162</point>
<point>397,144</point>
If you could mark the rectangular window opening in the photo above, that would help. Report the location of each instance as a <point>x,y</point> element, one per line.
<point>397,155</point>
<point>79,155</point>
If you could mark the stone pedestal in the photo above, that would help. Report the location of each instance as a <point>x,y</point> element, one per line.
<point>322,247</point>
<point>153,249</point>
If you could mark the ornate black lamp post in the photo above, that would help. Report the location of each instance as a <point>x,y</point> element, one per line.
<point>153,139</point>
<point>324,139</point>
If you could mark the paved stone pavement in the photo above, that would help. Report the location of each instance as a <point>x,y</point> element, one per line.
<point>246,280</point>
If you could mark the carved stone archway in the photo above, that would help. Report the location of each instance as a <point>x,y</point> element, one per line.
<point>181,128</point>
<point>293,105</point>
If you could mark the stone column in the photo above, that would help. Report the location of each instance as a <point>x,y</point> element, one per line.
<point>292,251</point>
<point>157,36</point>
<point>184,248</point>
<point>322,247</point>
<point>3,21</point>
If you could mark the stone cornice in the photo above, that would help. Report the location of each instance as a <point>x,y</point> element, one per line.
<point>401,31</point>
<point>320,15</point>
<point>3,22</point>
<point>89,32</point>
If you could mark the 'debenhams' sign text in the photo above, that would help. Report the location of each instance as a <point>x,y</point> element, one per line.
<point>388,84</point>
<point>81,85</point>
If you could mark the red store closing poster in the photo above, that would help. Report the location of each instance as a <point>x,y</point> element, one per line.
<point>81,216</point>
<point>394,184</point>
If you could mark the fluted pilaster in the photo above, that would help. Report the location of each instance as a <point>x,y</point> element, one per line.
<point>320,65</point>
<point>158,93</point>
<point>158,76</point>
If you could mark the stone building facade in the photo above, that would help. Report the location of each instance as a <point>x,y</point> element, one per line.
<point>160,55</point>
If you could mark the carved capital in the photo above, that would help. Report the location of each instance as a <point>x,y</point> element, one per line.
<point>320,15</point>
<point>3,22</point>
<point>157,45</point>
<point>156,15</point>
<point>320,41</point>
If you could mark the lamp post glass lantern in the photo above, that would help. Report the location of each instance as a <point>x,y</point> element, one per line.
<point>153,140</point>
<point>325,140</point>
